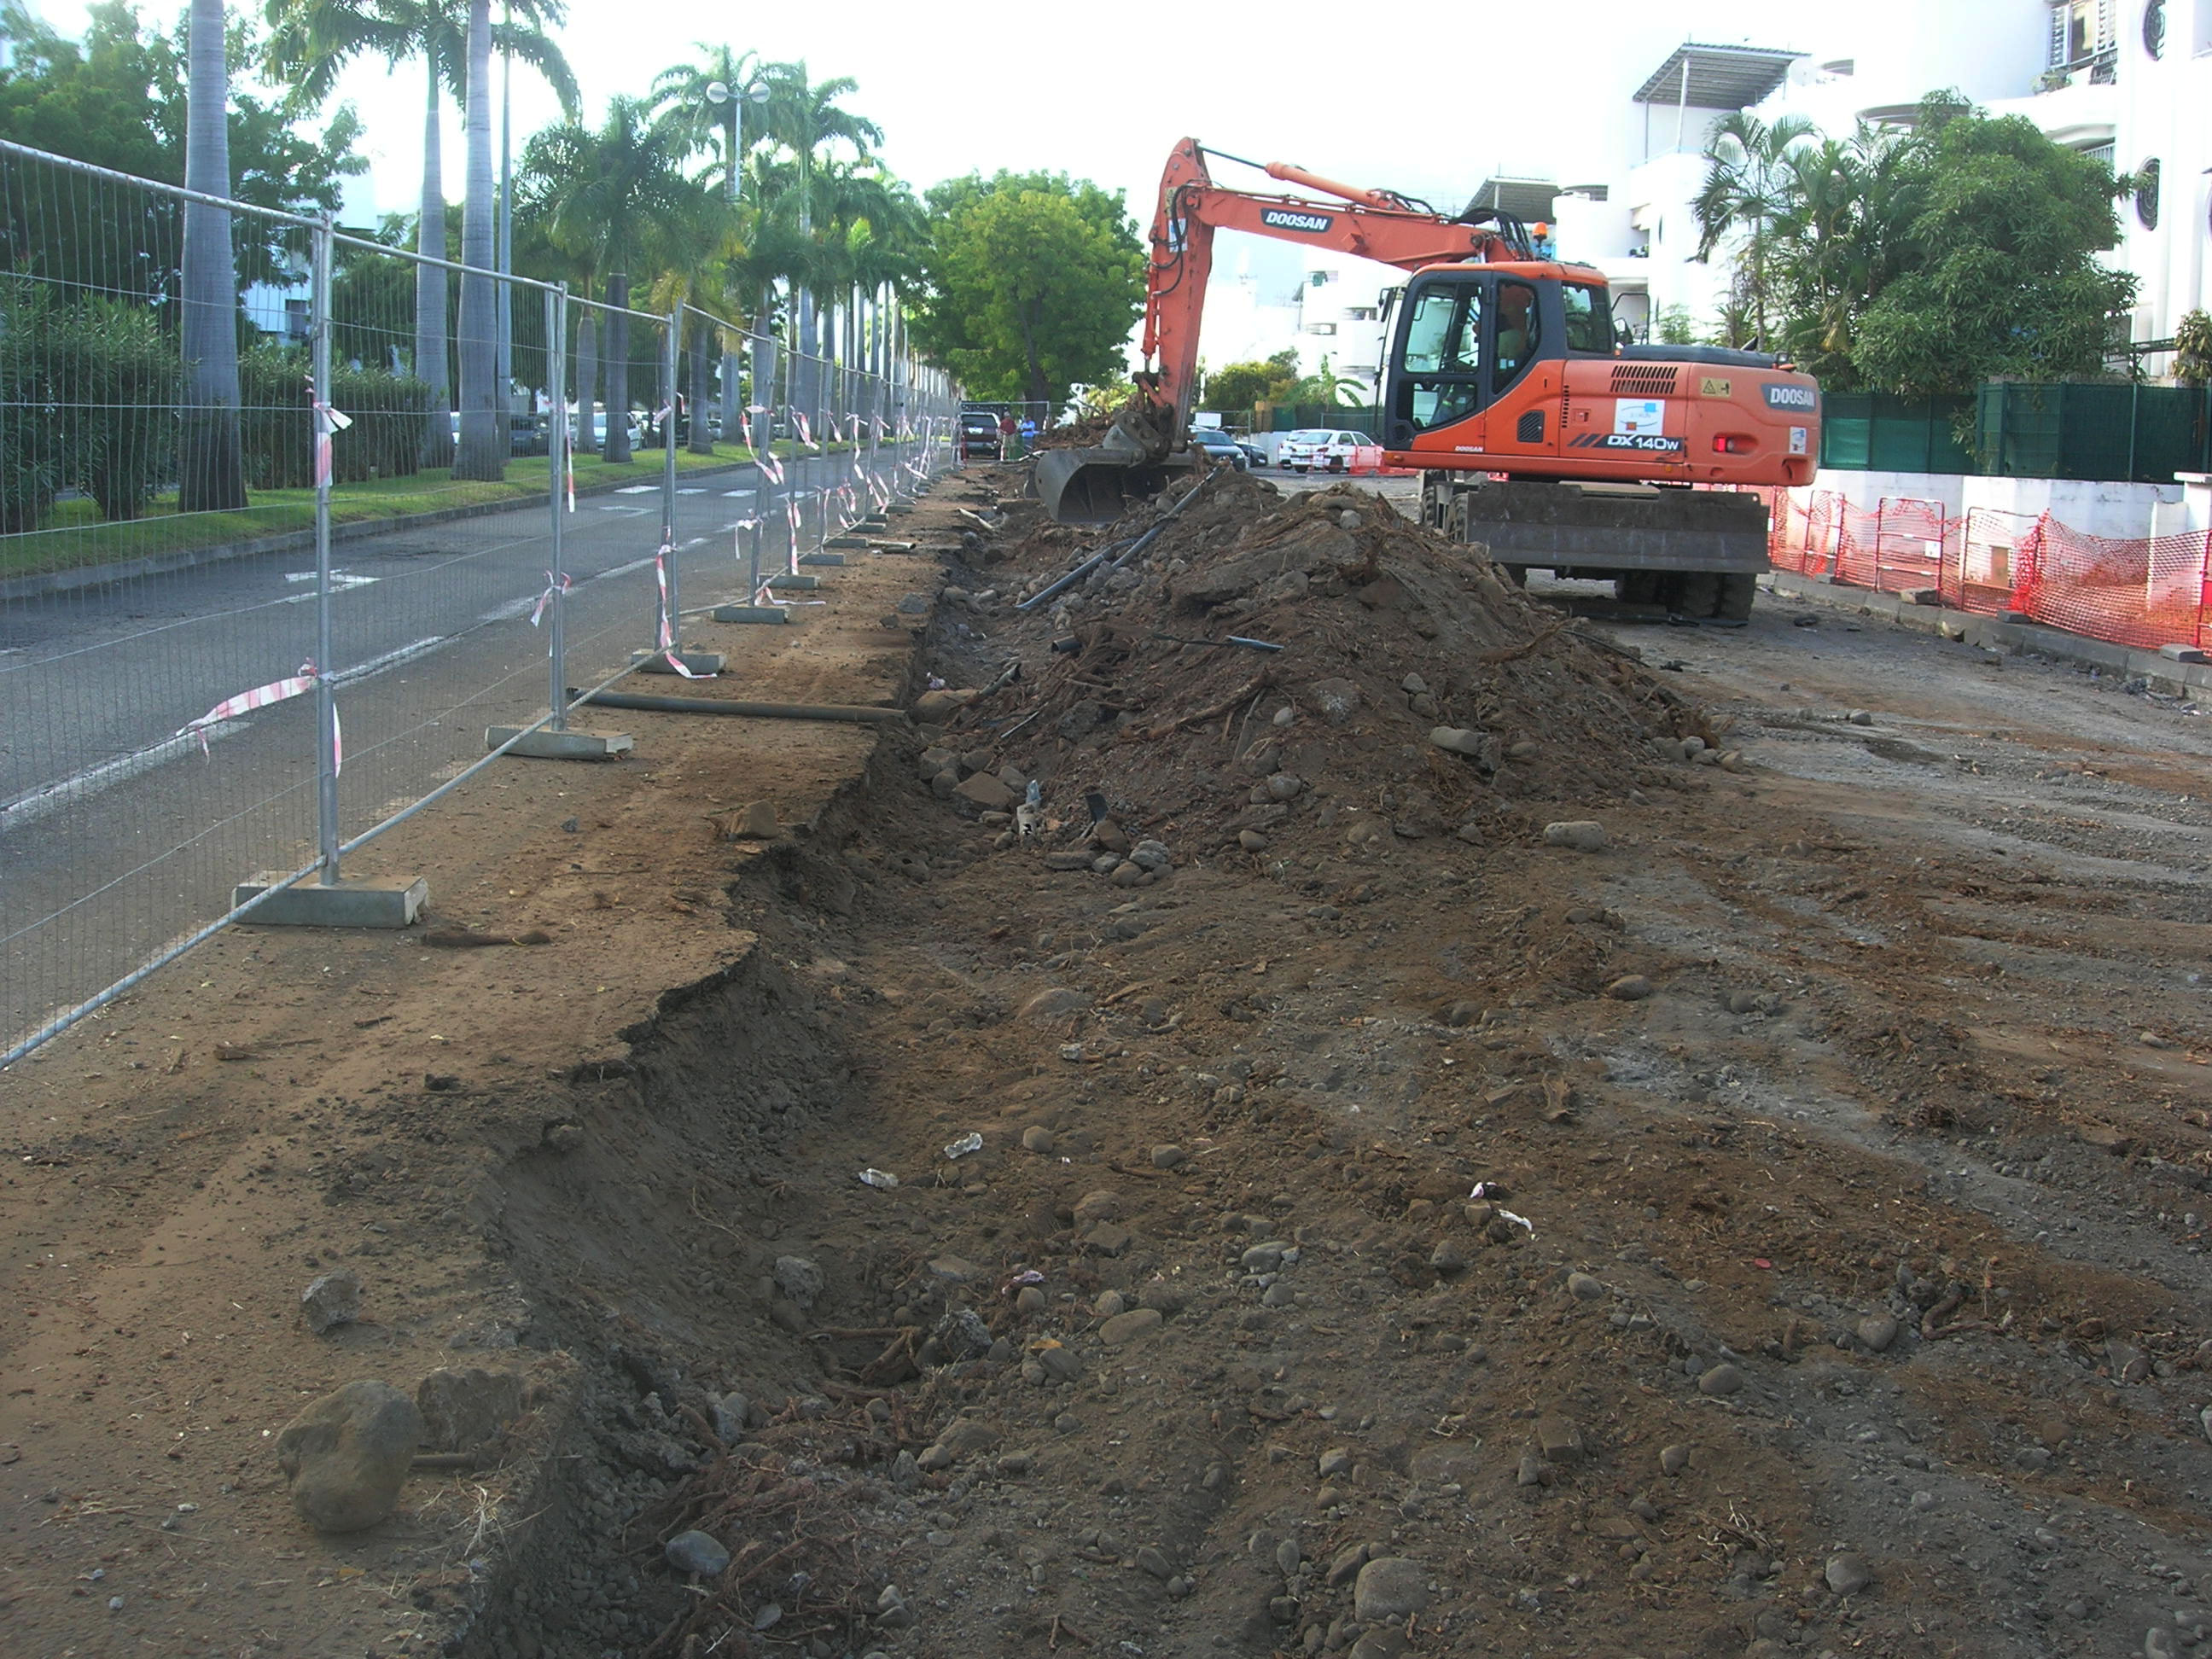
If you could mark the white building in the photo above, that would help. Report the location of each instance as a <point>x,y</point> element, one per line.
<point>2126,81</point>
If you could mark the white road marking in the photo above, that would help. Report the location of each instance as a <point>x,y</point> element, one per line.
<point>634,511</point>
<point>637,490</point>
<point>362,670</point>
<point>53,797</point>
<point>696,490</point>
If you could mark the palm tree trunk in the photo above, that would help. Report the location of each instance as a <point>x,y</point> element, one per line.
<point>212,468</point>
<point>617,450</point>
<point>588,378</point>
<point>733,397</point>
<point>703,439</point>
<point>484,436</point>
<point>430,286</point>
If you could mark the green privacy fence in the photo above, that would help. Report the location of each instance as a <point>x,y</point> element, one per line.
<point>2125,433</point>
<point>1875,432</point>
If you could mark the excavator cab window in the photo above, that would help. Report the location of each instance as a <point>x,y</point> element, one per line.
<point>1519,333</point>
<point>1440,363</point>
<point>1590,318</point>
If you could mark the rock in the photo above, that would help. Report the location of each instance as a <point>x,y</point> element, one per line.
<point>1847,1573</point>
<point>1530,1472</point>
<point>1285,716</point>
<point>1102,1205</point>
<point>696,1552</point>
<point>1459,1013</point>
<point>333,1300</point>
<point>1413,686</point>
<point>1110,836</point>
<point>1029,1300</point>
<point>1859,717</point>
<point>1061,1364</point>
<point>987,792</point>
<point>1629,987</point>
<point>935,708</point>
<point>1129,874</point>
<point>1673,1460</point>
<point>1169,1157</point>
<point>912,604</point>
<point>1877,1331</point>
<point>1449,1256</point>
<point>1068,860</point>
<point>1262,1258</point>
<point>1558,1438</point>
<point>1124,1328</point>
<point>1151,855</point>
<point>1251,840</point>
<point>1389,1586</point>
<point>1334,700</point>
<point>1460,741</point>
<point>1285,785</point>
<point>753,821</point>
<point>732,1417</point>
<point>1037,1138</point>
<point>1055,1004</point>
<point>1107,1303</point>
<point>1583,1287</point>
<point>1345,1565</point>
<point>1081,720</point>
<point>1333,1461</point>
<point>347,1454</point>
<point>800,1280</point>
<point>462,1409</point>
<point>1723,1379</point>
<point>1155,1563</point>
<point>1106,864</point>
<point>1583,834</point>
<point>961,1335</point>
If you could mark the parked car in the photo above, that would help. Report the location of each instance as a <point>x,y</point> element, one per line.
<point>1254,455</point>
<point>1219,445</point>
<point>978,436</point>
<point>1318,449</point>
<point>528,435</point>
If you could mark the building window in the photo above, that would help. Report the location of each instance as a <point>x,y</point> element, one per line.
<point>2155,28</point>
<point>2147,194</point>
<point>2081,31</point>
<point>2100,153</point>
<point>1320,328</point>
<point>299,325</point>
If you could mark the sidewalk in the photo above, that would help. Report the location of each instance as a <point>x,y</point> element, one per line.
<point>2178,671</point>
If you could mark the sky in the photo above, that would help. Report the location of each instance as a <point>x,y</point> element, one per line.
<point>1431,105</point>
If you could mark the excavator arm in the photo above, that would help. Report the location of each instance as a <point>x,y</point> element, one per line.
<point>1083,485</point>
<point>1373,224</point>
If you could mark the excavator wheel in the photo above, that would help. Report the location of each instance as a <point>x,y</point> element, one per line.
<point>1697,594</point>
<point>1738,590</point>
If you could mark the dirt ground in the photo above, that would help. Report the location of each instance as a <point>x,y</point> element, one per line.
<point>1777,1229</point>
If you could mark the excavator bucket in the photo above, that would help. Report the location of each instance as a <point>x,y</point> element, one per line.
<point>1094,485</point>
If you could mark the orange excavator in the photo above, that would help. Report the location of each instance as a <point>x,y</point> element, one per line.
<point>1537,433</point>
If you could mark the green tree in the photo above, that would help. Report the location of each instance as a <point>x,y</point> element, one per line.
<point>602,195</point>
<point>1247,385</point>
<point>310,41</point>
<point>1746,188</point>
<point>1996,269</point>
<point>1030,284</point>
<point>2192,348</point>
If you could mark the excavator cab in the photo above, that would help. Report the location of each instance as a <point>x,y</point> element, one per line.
<point>1468,338</point>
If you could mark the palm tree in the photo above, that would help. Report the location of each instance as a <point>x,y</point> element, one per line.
<point>310,42</point>
<point>600,195</point>
<point>697,119</point>
<point>482,453</point>
<point>805,118</point>
<point>1746,188</point>
<point>212,472</point>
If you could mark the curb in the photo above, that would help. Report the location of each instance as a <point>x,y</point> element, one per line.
<point>162,564</point>
<point>2170,676</point>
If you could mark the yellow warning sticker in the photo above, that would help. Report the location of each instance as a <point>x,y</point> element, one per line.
<point>1710,387</point>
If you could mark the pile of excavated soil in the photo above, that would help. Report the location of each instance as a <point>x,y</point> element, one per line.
<point>1434,696</point>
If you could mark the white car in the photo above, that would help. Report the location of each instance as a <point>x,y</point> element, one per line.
<point>1318,449</point>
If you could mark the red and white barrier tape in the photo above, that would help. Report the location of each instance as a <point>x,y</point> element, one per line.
<point>261,697</point>
<point>770,468</point>
<point>327,421</point>
<point>554,584</point>
<point>666,643</point>
<point>806,432</point>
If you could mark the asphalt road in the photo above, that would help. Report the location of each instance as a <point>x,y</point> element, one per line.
<point>117,834</point>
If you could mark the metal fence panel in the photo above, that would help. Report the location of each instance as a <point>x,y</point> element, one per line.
<point>246,626</point>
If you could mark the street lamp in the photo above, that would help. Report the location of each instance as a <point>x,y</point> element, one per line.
<point>720,93</point>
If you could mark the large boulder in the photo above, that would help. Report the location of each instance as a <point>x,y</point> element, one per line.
<point>347,1454</point>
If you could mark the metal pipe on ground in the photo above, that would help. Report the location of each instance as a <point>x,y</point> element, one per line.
<point>1100,557</point>
<point>852,714</point>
